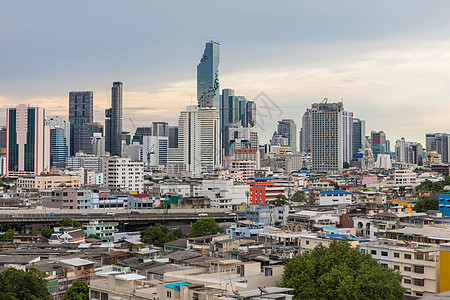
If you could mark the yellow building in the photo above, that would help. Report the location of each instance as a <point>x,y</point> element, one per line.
<point>445,267</point>
<point>405,203</point>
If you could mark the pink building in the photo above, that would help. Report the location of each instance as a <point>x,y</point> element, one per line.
<point>369,179</point>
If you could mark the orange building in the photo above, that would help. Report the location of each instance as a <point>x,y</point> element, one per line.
<point>263,189</point>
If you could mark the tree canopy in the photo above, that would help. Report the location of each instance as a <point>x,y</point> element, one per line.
<point>7,236</point>
<point>435,187</point>
<point>67,222</point>
<point>78,291</point>
<point>340,272</point>
<point>279,201</point>
<point>159,235</point>
<point>94,236</point>
<point>299,196</point>
<point>20,285</point>
<point>426,204</point>
<point>205,226</point>
<point>46,232</point>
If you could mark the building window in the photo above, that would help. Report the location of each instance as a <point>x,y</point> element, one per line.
<point>419,269</point>
<point>104,296</point>
<point>267,272</point>
<point>407,269</point>
<point>396,254</point>
<point>419,294</point>
<point>307,242</point>
<point>407,256</point>
<point>407,281</point>
<point>396,267</point>
<point>374,252</point>
<point>95,294</point>
<point>384,253</point>
<point>169,294</point>
<point>419,282</point>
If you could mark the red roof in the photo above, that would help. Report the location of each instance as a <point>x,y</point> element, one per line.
<point>250,150</point>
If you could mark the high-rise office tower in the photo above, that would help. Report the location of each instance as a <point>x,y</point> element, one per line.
<point>378,139</point>
<point>173,136</point>
<point>239,137</point>
<point>438,142</point>
<point>80,115</point>
<point>305,132</point>
<point>140,133</point>
<point>327,137</point>
<point>288,129</point>
<point>208,76</point>
<point>28,141</point>
<point>98,144</point>
<point>59,122</point>
<point>359,135</point>
<point>347,136</point>
<point>160,129</point>
<point>113,121</point>
<point>235,109</point>
<point>155,150</point>
<point>58,147</point>
<point>408,152</point>
<point>95,127</point>
<point>199,139</point>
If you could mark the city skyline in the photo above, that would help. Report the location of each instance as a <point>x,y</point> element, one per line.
<point>389,73</point>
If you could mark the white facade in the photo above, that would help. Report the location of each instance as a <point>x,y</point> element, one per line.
<point>175,161</point>
<point>155,151</point>
<point>405,177</point>
<point>175,189</point>
<point>123,173</point>
<point>135,151</point>
<point>199,139</point>
<point>222,189</point>
<point>335,198</point>
<point>85,161</point>
<point>327,137</point>
<point>98,144</point>
<point>383,162</point>
<point>347,136</point>
<point>241,137</point>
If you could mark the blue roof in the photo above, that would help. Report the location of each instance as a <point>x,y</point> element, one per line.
<point>343,236</point>
<point>262,178</point>
<point>334,192</point>
<point>176,286</point>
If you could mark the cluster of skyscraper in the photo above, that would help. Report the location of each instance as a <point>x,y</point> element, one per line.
<point>208,134</point>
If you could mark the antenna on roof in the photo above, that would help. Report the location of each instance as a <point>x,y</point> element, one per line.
<point>325,100</point>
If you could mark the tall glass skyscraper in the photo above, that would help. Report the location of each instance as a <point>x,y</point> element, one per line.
<point>359,135</point>
<point>288,129</point>
<point>58,147</point>
<point>80,115</point>
<point>208,76</point>
<point>113,121</point>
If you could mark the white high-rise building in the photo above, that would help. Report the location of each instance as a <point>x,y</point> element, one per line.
<point>155,151</point>
<point>98,144</point>
<point>123,173</point>
<point>28,141</point>
<point>347,136</point>
<point>240,137</point>
<point>199,139</point>
<point>327,137</point>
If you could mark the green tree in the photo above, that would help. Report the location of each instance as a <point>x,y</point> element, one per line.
<point>7,236</point>
<point>340,272</point>
<point>78,291</point>
<point>299,196</point>
<point>94,236</point>
<point>205,226</point>
<point>346,165</point>
<point>280,200</point>
<point>67,222</point>
<point>20,285</point>
<point>166,177</point>
<point>426,204</point>
<point>46,232</point>
<point>159,235</point>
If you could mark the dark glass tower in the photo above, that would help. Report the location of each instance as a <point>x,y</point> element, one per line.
<point>80,115</point>
<point>208,76</point>
<point>113,121</point>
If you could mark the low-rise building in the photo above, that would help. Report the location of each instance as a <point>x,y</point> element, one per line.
<point>335,197</point>
<point>105,230</point>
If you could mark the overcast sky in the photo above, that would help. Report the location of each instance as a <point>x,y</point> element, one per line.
<point>388,60</point>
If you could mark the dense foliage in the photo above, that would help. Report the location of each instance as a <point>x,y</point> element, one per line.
<point>426,204</point>
<point>435,187</point>
<point>205,226</point>
<point>78,291</point>
<point>46,232</point>
<point>94,236</point>
<point>340,272</point>
<point>7,236</point>
<point>159,235</point>
<point>20,285</point>
<point>67,222</point>
<point>280,200</point>
<point>299,196</point>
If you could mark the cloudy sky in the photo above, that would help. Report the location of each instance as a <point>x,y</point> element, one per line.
<point>388,60</point>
